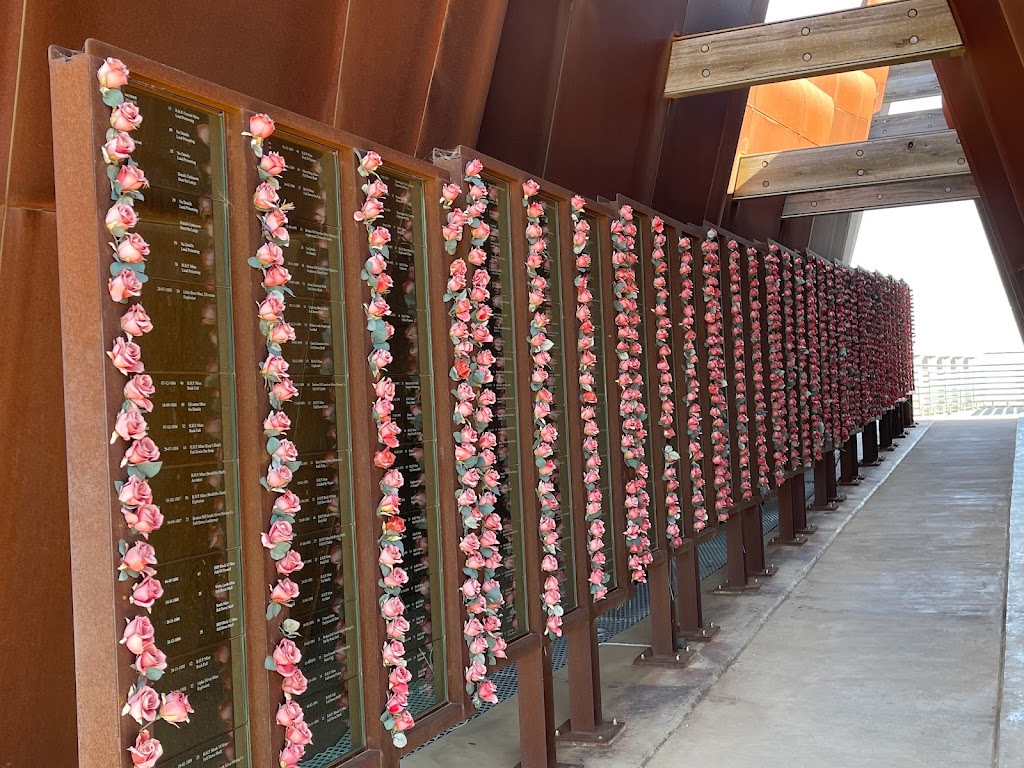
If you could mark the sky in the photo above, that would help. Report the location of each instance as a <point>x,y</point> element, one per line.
<point>941,250</point>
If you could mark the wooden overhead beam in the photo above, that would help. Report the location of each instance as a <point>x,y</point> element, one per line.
<point>907,124</point>
<point>894,195</point>
<point>911,81</point>
<point>850,165</point>
<point>873,36</point>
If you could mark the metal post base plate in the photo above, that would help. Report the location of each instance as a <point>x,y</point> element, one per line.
<point>604,735</point>
<point>838,499</point>
<point>808,530</point>
<point>830,507</point>
<point>796,541</point>
<point>701,635</point>
<point>738,589</point>
<point>680,659</point>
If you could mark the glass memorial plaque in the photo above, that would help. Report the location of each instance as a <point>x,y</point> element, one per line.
<point>503,328</point>
<point>644,300</point>
<point>326,608</point>
<point>602,316</point>
<point>416,454</point>
<point>559,407</point>
<point>188,354</point>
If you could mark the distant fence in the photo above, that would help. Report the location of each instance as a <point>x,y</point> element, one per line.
<point>947,384</point>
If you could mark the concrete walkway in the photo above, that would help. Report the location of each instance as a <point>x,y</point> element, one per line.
<point>889,652</point>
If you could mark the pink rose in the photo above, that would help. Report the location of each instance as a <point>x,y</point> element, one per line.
<point>131,177</point>
<point>279,477</point>
<point>291,755</point>
<point>270,254</point>
<point>119,148</point>
<point>146,751</point>
<point>474,167</point>
<point>284,390</point>
<point>392,608</point>
<point>284,592</point>
<point>449,193</point>
<point>135,492</point>
<point>120,218</point>
<point>274,222</point>
<point>390,555</point>
<point>135,322</point>
<point>298,733</point>
<point>138,634</point>
<point>287,503</point>
<point>404,721</point>
<point>127,356</point>
<point>279,533</point>
<point>261,126</point>
<point>265,197</point>
<point>371,209</point>
<point>150,658</point>
<point>132,249</point>
<point>488,692</point>
<point>112,73</point>
<point>175,708</point>
<point>272,164</point>
<point>370,162</point>
<point>271,307</point>
<point>289,713</point>
<point>130,424</point>
<point>146,592</point>
<point>274,367</point>
<point>125,117</point>
<point>124,286</point>
<point>381,358</point>
<point>145,519</point>
<point>277,421</point>
<point>139,557</point>
<point>290,563</point>
<point>530,188</point>
<point>295,684</point>
<point>376,188</point>
<point>143,705</point>
<point>286,656</point>
<point>380,236</point>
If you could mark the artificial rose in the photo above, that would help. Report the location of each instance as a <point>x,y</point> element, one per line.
<point>291,755</point>
<point>284,592</point>
<point>119,219</point>
<point>265,197</point>
<point>370,162</point>
<point>290,563</point>
<point>138,558</point>
<point>131,178</point>
<point>270,254</point>
<point>143,705</point>
<point>371,210</point>
<point>272,164</point>
<point>276,276</point>
<point>298,733</point>
<point>130,424</point>
<point>138,634</point>
<point>125,286</point>
<point>125,117</point>
<point>150,658</point>
<point>146,592</point>
<point>277,421</point>
<point>279,533</point>
<point>146,751</point>
<point>404,721</point>
<point>175,708</point>
<point>144,519</point>
<point>135,492</point>
<point>112,73</point>
<point>295,684</point>
<point>286,656</point>
<point>289,713</point>
<point>284,390</point>
<point>530,188</point>
<point>135,322</point>
<point>119,148</point>
<point>132,249</point>
<point>261,126</point>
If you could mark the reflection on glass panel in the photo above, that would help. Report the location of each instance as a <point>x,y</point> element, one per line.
<point>326,608</point>
<point>602,316</point>
<point>188,354</point>
<point>559,407</point>
<point>416,455</point>
<point>510,503</point>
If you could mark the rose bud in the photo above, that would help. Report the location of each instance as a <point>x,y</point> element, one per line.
<point>146,592</point>
<point>132,249</point>
<point>370,162</point>
<point>125,117</point>
<point>119,148</point>
<point>125,286</point>
<point>135,322</point>
<point>289,713</point>
<point>261,126</point>
<point>131,178</point>
<point>284,592</point>
<point>175,708</point>
<point>112,73</point>
<point>138,634</point>
<point>272,164</point>
<point>145,519</point>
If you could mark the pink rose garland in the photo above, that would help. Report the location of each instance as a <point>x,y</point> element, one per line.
<point>670,474</point>
<point>629,351</point>
<point>396,716</point>
<point>694,429</point>
<point>815,382</point>
<point>545,433</point>
<point>470,311</point>
<point>715,344</point>
<point>586,343</point>
<point>142,456</point>
<point>803,359</point>
<point>757,366</point>
<point>282,452</point>
<point>792,376</point>
<point>739,369</point>
<point>776,364</point>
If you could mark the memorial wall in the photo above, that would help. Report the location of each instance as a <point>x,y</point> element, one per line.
<point>349,432</point>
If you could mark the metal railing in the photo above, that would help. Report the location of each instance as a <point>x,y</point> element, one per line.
<point>948,384</point>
